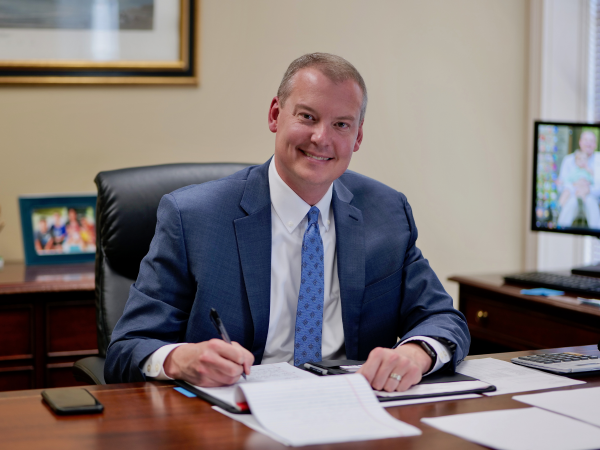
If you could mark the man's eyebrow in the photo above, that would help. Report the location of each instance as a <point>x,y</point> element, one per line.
<point>303,106</point>
<point>348,118</point>
<point>311,110</point>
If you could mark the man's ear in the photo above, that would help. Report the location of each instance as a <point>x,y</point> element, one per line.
<point>274,111</point>
<point>359,137</point>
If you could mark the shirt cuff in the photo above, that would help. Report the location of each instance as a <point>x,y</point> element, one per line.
<point>442,351</point>
<point>152,367</point>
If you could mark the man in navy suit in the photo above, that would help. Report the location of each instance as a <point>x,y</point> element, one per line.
<point>242,245</point>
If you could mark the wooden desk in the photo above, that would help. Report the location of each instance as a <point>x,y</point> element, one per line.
<point>153,415</point>
<point>47,321</point>
<point>500,318</point>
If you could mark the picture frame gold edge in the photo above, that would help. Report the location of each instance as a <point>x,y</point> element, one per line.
<point>90,81</point>
<point>182,65</point>
<point>69,65</point>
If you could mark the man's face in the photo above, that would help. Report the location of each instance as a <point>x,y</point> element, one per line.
<point>317,131</point>
<point>588,143</point>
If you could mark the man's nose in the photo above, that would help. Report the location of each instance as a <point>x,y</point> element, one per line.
<point>321,136</point>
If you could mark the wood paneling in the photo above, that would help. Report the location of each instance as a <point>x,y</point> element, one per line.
<point>47,321</point>
<point>16,378</point>
<point>71,328</point>
<point>61,375</point>
<point>16,333</point>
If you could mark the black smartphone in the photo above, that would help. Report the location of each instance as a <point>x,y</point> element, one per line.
<point>72,401</point>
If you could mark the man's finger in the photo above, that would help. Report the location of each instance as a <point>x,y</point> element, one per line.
<point>248,358</point>
<point>392,363</point>
<point>411,378</point>
<point>370,367</point>
<point>227,351</point>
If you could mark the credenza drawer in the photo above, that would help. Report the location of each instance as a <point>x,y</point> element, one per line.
<point>523,328</point>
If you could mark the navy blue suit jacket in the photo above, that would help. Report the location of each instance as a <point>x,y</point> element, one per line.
<point>212,248</point>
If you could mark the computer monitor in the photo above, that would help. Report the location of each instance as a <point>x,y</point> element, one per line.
<point>566,180</point>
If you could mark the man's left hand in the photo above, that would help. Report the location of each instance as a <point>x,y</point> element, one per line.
<point>409,361</point>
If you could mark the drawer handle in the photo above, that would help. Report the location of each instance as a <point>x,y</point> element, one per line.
<point>481,317</point>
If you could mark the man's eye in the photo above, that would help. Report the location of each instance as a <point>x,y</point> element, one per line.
<point>343,125</point>
<point>307,116</point>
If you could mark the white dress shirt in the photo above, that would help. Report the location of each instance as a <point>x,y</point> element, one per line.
<point>288,224</point>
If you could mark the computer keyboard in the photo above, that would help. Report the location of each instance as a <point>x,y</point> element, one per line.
<point>573,283</point>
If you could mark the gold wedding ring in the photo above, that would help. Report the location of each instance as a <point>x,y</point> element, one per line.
<point>395,376</point>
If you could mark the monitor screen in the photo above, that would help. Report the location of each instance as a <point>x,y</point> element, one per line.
<point>566,178</point>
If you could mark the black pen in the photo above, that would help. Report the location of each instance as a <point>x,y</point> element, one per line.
<point>218,323</point>
<point>316,369</point>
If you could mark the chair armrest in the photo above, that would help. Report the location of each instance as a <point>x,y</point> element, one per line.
<point>89,370</point>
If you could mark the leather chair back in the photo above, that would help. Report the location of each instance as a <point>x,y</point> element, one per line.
<point>125,223</point>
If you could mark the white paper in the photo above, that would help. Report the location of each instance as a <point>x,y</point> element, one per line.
<point>581,404</point>
<point>258,374</point>
<point>436,388</point>
<point>415,401</point>
<point>520,429</point>
<point>322,410</point>
<point>509,377</point>
<point>250,421</point>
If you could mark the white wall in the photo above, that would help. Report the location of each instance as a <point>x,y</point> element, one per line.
<point>559,87</point>
<point>445,123</point>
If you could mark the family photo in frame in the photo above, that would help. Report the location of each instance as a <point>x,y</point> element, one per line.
<point>58,229</point>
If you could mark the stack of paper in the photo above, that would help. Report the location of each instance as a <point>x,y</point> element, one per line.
<point>509,378</point>
<point>575,427</point>
<point>297,408</point>
<point>322,410</point>
<point>520,429</point>
<point>580,404</point>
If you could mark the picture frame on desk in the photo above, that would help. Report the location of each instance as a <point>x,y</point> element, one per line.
<point>58,228</point>
<point>99,42</point>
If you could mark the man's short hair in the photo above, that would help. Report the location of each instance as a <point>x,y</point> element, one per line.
<point>334,67</point>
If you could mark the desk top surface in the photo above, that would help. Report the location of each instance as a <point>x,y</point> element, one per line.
<point>17,278</point>
<point>153,415</point>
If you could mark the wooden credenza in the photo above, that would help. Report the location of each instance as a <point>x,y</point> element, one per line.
<point>47,322</point>
<point>500,318</point>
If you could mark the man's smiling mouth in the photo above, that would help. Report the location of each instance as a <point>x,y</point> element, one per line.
<point>318,158</point>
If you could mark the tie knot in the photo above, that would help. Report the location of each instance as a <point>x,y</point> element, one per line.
<point>313,216</point>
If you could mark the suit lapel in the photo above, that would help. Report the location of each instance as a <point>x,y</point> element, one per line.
<point>350,246</point>
<point>253,234</point>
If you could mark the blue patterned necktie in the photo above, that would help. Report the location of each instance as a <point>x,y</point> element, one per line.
<point>309,315</point>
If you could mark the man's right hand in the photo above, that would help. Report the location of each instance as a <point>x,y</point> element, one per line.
<point>209,364</point>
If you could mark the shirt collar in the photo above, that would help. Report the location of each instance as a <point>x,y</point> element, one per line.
<point>290,208</point>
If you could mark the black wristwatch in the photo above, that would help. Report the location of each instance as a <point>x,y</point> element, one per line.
<point>430,351</point>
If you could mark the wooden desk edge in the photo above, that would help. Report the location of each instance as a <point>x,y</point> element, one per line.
<point>92,388</point>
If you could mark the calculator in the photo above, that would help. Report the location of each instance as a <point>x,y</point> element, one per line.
<point>567,362</point>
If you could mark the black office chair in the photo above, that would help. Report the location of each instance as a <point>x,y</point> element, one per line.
<point>125,223</point>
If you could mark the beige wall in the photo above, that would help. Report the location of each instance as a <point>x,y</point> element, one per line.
<point>445,122</point>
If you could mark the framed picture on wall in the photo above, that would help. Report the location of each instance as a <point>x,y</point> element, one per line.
<point>98,41</point>
<point>58,229</point>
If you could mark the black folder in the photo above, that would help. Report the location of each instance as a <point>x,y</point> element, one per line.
<point>333,367</point>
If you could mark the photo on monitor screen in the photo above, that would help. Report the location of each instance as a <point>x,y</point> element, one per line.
<point>567,178</point>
